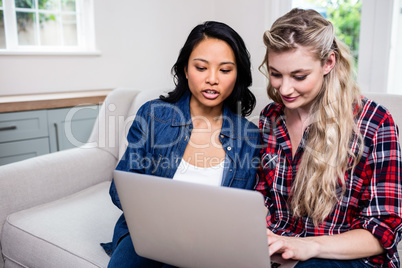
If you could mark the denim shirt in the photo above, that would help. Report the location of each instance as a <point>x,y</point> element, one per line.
<point>159,136</point>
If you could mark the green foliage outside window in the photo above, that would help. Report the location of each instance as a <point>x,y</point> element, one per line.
<point>25,3</point>
<point>25,17</point>
<point>45,4</point>
<point>345,15</point>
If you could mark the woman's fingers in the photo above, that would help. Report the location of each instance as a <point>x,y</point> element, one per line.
<point>279,244</point>
<point>271,237</point>
<point>288,254</point>
<point>276,247</point>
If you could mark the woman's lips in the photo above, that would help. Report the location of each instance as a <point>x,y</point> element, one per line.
<point>289,99</point>
<point>210,94</point>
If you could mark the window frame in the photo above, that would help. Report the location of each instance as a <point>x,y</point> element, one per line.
<point>377,29</point>
<point>85,34</point>
<point>2,10</point>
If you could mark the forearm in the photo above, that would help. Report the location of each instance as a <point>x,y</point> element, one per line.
<point>353,244</point>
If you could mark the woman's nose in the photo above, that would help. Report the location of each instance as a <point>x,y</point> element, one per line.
<point>212,78</point>
<point>286,87</point>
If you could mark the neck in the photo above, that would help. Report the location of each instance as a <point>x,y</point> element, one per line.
<point>206,117</point>
<point>301,115</point>
<point>211,113</point>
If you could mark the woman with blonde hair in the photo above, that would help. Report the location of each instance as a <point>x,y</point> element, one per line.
<point>331,165</point>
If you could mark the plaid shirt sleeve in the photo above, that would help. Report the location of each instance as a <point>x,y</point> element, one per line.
<point>381,200</point>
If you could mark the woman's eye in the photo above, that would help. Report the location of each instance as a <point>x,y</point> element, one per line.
<point>275,75</point>
<point>200,68</point>
<point>225,71</point>
<point>300,78</point>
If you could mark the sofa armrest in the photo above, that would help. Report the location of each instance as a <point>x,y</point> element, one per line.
<point>49,177</point>
<point>113,119</point>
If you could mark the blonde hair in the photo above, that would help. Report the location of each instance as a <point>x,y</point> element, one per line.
<point>328,154</point>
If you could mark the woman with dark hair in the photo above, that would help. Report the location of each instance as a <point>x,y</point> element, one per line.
<point>197,133</point>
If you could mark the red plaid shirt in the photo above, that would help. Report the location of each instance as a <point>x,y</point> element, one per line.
<point>372,200</point>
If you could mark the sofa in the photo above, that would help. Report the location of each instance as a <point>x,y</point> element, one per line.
<point>55,209</point>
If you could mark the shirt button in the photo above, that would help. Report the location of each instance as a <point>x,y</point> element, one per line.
<point>221,135</point>
<point>229,148</point>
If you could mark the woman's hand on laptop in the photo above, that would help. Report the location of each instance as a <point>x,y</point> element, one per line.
<point>353,244</point>
<point>297,248</point>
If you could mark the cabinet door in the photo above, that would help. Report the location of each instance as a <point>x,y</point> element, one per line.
<point>70,127</point>
<point>20,150</point>
<point>23,135</point>
<point>23,125</point>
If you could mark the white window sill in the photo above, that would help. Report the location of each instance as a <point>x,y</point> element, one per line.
<point>4,52</point>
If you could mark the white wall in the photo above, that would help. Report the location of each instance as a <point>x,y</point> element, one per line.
<point>395,80</point>
<point>139,42</point>
<point>374,54</point>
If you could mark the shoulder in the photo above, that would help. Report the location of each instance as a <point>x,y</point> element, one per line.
<point>157,108</point>
<point>271,113</point>
<point>156,104</point>
<point>272,110</point>
<point>239,127</point>
<point>248,128</point>
<point>373,113</point>
<point>374,116</point>
<point>247,123</point>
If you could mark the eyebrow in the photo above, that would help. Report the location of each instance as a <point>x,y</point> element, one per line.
<point>293,72</point>
<point>222,63</point>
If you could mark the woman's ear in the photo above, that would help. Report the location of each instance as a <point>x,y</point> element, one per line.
<point>330,63</point>
<point>185,71</point>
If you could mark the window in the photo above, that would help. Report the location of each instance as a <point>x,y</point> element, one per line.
<point>2,33</point>
<point>46,26</point>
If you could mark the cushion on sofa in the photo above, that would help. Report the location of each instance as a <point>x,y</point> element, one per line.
<point>54,234</point>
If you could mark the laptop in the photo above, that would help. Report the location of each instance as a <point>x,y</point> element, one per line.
<point>193,225</point>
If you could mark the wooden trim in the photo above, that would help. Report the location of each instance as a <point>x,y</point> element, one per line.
<point>19,103</point>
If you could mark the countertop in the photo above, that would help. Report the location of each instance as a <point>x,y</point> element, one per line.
<point>16,103</point>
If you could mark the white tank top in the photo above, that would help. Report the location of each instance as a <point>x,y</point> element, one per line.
<point>210,176</point>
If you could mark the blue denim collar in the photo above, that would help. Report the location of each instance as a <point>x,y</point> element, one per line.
<point>184,118</point>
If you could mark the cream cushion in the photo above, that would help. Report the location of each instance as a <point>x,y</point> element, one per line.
<point>87,217</point>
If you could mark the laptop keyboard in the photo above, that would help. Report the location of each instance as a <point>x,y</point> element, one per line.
<point>275,264</point>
